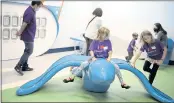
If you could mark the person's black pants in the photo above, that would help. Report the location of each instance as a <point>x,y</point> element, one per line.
<point>152,71</point>
<point>88,43</point>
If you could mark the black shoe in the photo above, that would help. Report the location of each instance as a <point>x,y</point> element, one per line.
<point>125,86</point>
<point>27,69</point>
<point>68,80</point>
<point>18,69</point>
<point>126,58</point>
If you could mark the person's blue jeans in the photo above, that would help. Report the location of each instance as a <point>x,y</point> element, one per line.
<point>27,52</point>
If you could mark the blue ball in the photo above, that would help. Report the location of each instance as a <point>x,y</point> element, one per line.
<point>101,72</point>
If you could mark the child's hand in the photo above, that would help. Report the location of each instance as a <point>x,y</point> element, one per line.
<point>90,59</point>
<point>108,59</point>
<point>94,59</point>
<point>132,64</point>
<point>136,47</point>
<point>159,62</point>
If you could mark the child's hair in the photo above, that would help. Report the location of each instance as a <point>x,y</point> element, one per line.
<point>134,34</point>
<point>103,31</point>
<point>36,3</point>
<point>146,32</point>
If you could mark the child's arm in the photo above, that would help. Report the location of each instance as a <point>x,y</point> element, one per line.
<point>134,46</point>
<point>92,48</point>
<point>109,55</point>
<point>135,57</point>
<point>92,56</point>
<point>163,57</point>
<point>164,53</point>
<point>92,53</point>
<point>110,51</point>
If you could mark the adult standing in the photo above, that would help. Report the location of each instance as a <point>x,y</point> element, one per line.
<point>27,35</point>
<point>160,33</point>
<point>91,30</point>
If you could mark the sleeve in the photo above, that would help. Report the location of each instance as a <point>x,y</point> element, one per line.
<point>91,47</point>
<point>109,46</point>
<point>28,17</point>
<point>133,43</point>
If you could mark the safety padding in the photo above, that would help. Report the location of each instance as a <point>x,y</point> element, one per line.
<point>99,76</point>
<point>170,46</point>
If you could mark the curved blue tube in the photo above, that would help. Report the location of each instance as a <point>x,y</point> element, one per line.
<point>155,93</point>
<point>76,60</point>
<point>34,85</point>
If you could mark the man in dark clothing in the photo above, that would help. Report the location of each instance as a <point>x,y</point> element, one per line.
<point>27,34</point>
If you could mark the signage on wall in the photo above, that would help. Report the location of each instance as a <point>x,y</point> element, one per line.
<point>46,31</point>
<point>12,23</point>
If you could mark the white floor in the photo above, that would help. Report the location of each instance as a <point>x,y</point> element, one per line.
<point>10,78</point>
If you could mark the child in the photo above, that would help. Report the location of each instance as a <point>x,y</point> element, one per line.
<point>100,48</point>
<point>131,48</point>
<point>156,52</point>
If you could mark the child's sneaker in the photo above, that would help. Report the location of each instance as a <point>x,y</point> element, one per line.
<point>68,80</point>
<point>125,86</point>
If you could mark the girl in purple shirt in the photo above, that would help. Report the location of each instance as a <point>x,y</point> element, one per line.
<point>156,52</point>
<point>100,48</point>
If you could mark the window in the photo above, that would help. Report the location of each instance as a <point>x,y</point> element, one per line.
<point>6,20</point>
<point>43,22</point>
<point>13,34</point>
<point>15,21</point>
<point>37,34</point>
<point>42,33</point>
<point>37,21</point>
<point>21,20</point>
<point>6,34</point>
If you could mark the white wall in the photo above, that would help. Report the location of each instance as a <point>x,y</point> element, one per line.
<point>73,20</point>
<point>125,17</point>
<point>121,17</point>
<point>15,47</point>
